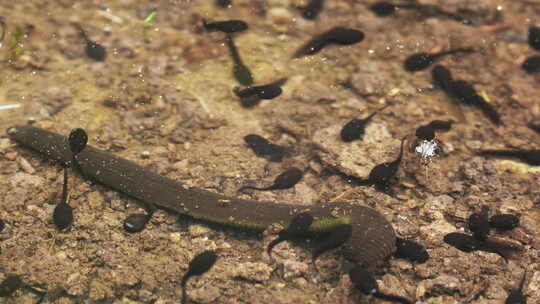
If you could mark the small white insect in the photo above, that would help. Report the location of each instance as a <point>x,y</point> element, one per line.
<point>427,148</point>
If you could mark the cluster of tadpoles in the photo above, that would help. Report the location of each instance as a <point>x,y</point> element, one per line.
<point>531,65</point>
<point>480,224</point>
<point>299,228</point>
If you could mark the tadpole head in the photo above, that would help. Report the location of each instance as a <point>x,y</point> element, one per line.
<point>363,280</point>
<point>383,9</point>
<point>418,62</point>
<point>136,222</point>
<point>77,140</point>
<point>63,215</point>
<point>95,51</point>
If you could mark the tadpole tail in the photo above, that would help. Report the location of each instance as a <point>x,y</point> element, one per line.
<point>183,286</point>
<point>377,112</point>
<point>466,50</point>
<point>491,113</point>
<point>81,31</point>
<point>311,47</point>
<point>253,188</point>
<point>233,50</point>
<point>65,187</point>
<point>273,244</point>
<point>392,298</point>
<point>505,153</point>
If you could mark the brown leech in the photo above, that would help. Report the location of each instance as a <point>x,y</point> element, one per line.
<point>531,157</point>
<point>372,239</point>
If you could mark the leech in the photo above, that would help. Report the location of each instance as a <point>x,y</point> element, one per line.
<point>372,239</point>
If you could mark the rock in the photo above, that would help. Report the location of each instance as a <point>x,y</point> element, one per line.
<point>258,272</point>
<point>206,294</point>
<point>293,269</point>
<point>198,230</point>
<point>443,284</point>
<point>100,291</point>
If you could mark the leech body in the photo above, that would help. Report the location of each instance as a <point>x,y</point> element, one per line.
<point>372,241</point>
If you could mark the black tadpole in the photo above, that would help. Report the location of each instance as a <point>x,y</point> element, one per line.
<point>531,157</point>
<point>198,266</point>
<point>263,148</point>
<point>336,35</point>
<point>441,77</point>
<point>425,133</point>
<point>441,125</point>
<point>63,213</point>
<point>411,251</point>
<point>77,140</point>
<point>504,221</point>
<point>531,65</point>
<point>137,222</point>
<point>93,50</point>
<point>312,10</point>
<point>420,61</point>
<point>298,227</point>
<point>516,296</point>
<point>356,128</point>
<point>339,235</point>
<point>9,285</point>
<point>267,91</point>
<point>381,175</point>
<point>285,180</point>
<point>534,37</point>
<point>479,224</point>
<point>223,3</point>
<point>241,73</point>
<point>2,225</point>
<point>229,26</point>
<point>465,93</point>
<point>468,243</point>
<point>364,281</point>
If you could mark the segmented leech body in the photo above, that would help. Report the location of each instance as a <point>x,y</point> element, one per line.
<point>372,241</point>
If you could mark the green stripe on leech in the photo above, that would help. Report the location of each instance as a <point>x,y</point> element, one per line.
<point>319,225</point>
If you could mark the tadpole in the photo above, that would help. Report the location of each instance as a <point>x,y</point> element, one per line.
<point>312,9</point>
<point>263,148</point>
<point>199,265</point>
<point>465,93</point>
<point>229,26</point>
<point>285,180</point>
<point>516,296</point>
<point>63,212</point>
<point>420,61</point>
<point>504,221</point>
<point>297,228</point>
<point>241,73</point>
<point>531,65</point>
<point>411,251</point>
<point>356,128</point>
<point>534,37</point>
<point>441,77</point>
<point>93,50</point>
<point>336,35</point>
<point>381,174</point>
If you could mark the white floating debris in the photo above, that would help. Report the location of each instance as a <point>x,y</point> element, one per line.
<point>10,106</point>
